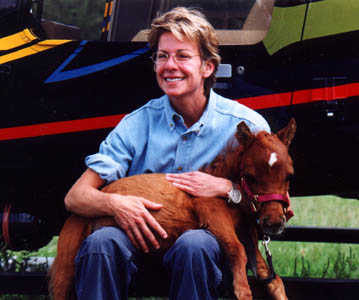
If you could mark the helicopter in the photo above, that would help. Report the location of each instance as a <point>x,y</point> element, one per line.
<point>61,95</point>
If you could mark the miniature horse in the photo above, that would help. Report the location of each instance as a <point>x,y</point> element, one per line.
<point>260,165</point>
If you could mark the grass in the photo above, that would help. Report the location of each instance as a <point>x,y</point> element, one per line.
<point>299,259</point>
<point>330,211</point>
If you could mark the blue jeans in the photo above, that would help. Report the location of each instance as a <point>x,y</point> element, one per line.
<point>107,263</point>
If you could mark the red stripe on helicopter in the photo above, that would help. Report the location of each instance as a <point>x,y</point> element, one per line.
<point>266,101</point>
<point>259,102</point>
<point>303,96</point>
<point>59,127</point>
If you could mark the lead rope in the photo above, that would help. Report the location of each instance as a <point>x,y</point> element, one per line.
<point>5,225</point>
<point>265,243</point>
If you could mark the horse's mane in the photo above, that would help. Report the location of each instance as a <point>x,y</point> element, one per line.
<point>227,162</point>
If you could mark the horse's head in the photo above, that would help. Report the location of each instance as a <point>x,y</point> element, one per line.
<point>265,171</point>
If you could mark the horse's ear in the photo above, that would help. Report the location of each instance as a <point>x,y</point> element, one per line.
<point>244,135</point>
<point>286,134</point>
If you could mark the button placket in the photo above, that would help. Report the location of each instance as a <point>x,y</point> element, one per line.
<point>184,147</point>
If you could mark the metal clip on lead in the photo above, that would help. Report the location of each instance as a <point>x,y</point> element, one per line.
<point>266,241</point>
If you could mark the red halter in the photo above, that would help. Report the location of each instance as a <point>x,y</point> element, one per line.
<point>263,198</point>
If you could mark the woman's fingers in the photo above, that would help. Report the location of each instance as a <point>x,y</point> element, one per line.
<point>151,221</point>
<point>138,223</point>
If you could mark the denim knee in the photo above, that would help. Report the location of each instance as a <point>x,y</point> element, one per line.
<point>110,241</point>
<point>197,257</point>
<point>194,243</point>
<point>105,265</point>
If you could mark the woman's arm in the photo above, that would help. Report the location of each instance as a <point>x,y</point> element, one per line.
<point>130,212</point>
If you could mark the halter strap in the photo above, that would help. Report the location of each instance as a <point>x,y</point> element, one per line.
<point>263,197</point>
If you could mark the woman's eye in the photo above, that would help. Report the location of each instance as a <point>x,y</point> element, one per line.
<point>161,56</point>
<point>182,57</point>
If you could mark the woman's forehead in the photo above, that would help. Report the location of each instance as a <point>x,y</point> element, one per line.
<point>168,41</point>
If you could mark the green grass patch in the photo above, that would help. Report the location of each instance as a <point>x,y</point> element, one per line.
<point>326,211</point>
<point>315,260</point>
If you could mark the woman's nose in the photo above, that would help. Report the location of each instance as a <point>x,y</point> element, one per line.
<point>171,61</point>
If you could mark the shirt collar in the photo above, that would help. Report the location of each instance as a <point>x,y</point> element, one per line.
<point>171,115</point>
<point>173,118</point>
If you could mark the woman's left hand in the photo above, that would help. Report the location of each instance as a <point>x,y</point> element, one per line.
<point>200,184</point>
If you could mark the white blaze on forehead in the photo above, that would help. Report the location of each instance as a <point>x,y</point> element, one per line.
<point>273,158</point>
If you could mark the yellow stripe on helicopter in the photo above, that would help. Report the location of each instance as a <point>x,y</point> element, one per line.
<point>21,39</point>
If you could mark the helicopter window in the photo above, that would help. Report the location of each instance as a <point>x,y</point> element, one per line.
<point>237,22</point>
<point>13,16</point>
<point>83,16</point>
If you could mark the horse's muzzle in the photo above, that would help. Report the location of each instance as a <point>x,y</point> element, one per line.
<point>270,227</point>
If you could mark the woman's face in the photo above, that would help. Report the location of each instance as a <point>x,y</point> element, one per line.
<point>181,79</point>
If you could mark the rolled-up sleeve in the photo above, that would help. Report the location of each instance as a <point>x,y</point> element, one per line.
<point>114,156</point>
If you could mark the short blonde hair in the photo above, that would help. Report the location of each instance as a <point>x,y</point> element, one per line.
<point>192,24</point>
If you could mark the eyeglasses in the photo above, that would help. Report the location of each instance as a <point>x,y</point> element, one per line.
<point>180,57</point>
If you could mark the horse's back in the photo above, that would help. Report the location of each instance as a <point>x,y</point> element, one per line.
<point>177,213</point>
<point>153,187</point>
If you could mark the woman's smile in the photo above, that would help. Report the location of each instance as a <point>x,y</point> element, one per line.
<point>179,68</point>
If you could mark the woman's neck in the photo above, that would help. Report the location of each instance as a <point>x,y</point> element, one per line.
<point>190,108</point>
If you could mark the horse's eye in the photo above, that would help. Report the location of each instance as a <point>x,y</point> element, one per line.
<point>250,179</point>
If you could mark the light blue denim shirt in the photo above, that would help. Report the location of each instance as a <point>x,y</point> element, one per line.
<point>154,138</point>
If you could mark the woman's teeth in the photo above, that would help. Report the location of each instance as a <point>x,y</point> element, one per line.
<point>173,79</point>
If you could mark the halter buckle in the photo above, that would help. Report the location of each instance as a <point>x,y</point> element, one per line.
<point>254,203</point>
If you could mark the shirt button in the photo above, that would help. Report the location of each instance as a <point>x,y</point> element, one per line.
<point>179,168</point>
<point>184,138</point>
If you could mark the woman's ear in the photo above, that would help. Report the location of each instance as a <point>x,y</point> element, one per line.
<point>208,68</point>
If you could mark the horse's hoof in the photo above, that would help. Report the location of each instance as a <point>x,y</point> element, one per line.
<point>243,294</point>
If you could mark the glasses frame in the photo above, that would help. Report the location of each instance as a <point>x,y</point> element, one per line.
<point>154,58</point>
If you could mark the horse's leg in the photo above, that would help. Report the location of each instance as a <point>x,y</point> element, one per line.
<point>276,287</point>
<point>214,214</point>
<point>62,272</point>
<point>238,260</point>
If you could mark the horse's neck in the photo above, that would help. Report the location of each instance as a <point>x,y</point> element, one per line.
<point>225,166</point>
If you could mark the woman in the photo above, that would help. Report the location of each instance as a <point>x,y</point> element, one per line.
<point>175,134</point>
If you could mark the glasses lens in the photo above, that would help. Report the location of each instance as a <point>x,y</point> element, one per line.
<point>159,57</point>
<point>182,57</point>
<point>179,57</point>
<point>154,57</point>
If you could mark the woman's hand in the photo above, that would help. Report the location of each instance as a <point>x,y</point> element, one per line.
<point>200,184</point>
<point>130,212</point>
<point>132,215</point>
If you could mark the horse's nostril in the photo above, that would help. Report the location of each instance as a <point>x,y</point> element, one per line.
<point>265,220</point>
<point>276,226</point>
<point>272,227</point>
